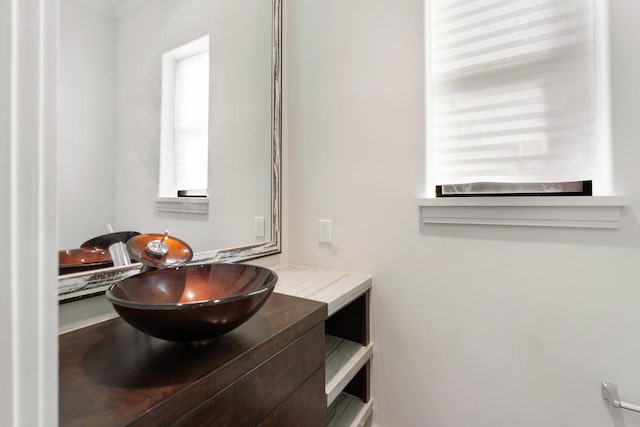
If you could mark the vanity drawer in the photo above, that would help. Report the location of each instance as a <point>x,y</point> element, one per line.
<point>303,407</point>
<point>251,399</point>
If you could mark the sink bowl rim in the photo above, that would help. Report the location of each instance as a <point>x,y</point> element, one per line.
<point>103,261</point>
<point>268,287</point>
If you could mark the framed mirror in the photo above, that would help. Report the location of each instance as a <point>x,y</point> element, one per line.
<point>112,129</point>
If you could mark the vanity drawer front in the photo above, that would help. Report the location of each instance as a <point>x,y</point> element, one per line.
<point>254,396</point>
<point>305,407</point>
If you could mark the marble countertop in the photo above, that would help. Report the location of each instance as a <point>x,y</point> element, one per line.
<point>335,288</point>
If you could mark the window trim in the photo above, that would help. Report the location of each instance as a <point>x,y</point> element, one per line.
<point>557,211</point>
<point>191,205</point>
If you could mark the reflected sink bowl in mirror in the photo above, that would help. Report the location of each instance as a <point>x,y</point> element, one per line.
<point>81,259</point>
<point>192,303</point>
<point>109,239</point>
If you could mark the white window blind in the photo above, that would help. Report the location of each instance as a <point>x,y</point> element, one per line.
<point>512,91</point>
<point>191,122</point>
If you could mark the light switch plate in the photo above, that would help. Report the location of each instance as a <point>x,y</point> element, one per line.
<point>258,226</point>
<point>324,231</point>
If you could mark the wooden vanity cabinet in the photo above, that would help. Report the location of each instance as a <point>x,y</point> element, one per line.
<point>348,347</point>
<point>268,372</point>
<point>285,367</point>
<point>251,400</point>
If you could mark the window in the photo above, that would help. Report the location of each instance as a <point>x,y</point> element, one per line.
<point>512,91</point>
<point>185,121</point>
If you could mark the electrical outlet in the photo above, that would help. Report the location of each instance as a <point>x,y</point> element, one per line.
<point>324,230</point>
<point>258,226</point>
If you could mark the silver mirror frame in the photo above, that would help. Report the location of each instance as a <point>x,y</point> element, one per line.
<point>94,282</point>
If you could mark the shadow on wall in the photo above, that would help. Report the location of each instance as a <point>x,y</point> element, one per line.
<point>618,417</point>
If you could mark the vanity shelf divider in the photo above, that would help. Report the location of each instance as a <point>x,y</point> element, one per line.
<point>348,349</point>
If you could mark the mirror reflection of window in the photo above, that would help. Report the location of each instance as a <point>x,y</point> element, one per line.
<point>185,121</point>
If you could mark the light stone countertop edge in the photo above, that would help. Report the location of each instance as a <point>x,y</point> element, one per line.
<point>335,288</point>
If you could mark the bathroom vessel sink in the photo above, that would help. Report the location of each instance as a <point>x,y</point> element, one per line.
<point>192,303</point>
<point>109,239</point>
<point>81,259</point>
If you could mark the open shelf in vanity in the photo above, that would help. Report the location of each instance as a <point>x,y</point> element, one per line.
<point>348,348</point>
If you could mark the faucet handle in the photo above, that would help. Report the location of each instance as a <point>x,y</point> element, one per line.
<point>159,250</point>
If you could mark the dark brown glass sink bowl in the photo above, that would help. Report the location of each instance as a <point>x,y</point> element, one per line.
<point>192,303</point>
<point>82,259</point>
<point>109,239</point>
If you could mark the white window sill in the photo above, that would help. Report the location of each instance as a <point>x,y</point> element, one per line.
<point>192,205</point>
<point>552,211</point>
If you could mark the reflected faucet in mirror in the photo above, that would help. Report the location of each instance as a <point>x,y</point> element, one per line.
<point>118,251</point>
<point>156,251</point>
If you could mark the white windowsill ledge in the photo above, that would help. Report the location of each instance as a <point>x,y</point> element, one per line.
<point>192,205</point>
<point>551,211</point>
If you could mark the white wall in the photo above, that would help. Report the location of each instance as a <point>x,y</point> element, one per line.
<point>239,151</point>
<point>473,326</point>
<point>86,123</point>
